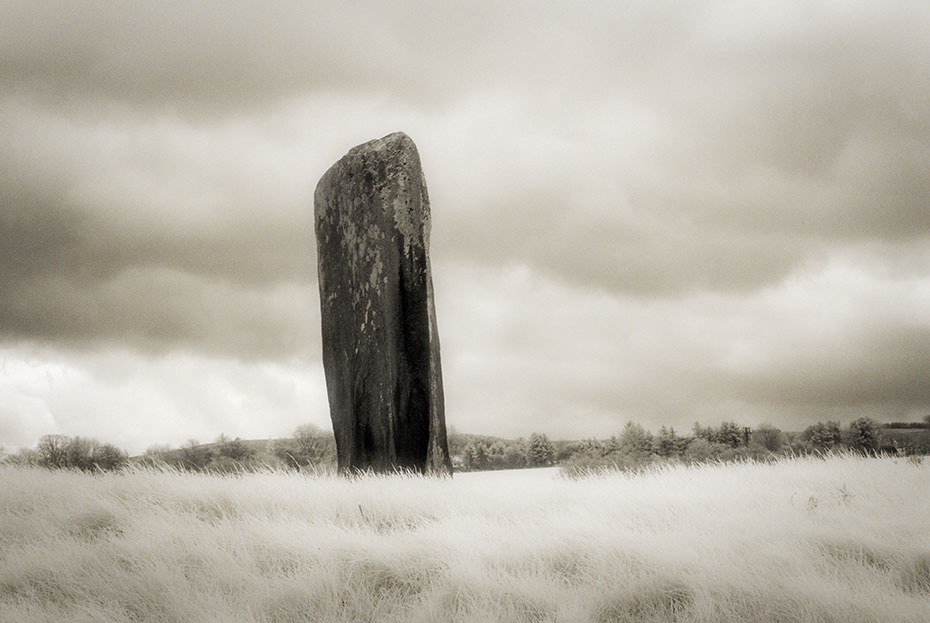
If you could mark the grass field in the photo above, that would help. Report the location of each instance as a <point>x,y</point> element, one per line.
<point>844,539</point>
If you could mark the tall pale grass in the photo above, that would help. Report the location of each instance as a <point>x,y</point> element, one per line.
<point>844,539</point>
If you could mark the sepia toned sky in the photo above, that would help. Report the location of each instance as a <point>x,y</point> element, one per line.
<point>652,211</point>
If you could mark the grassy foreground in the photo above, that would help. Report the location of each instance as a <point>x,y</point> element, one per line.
<point>844,539</point>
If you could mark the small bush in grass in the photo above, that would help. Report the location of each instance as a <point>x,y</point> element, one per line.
<point>863,435</point>
<point>823,436</point>
<point>701,450</point>
<point>310,447</point>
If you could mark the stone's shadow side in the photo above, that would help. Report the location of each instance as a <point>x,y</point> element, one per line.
<point>380,341</point>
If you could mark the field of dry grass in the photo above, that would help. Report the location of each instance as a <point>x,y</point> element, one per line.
<point>844,539</point>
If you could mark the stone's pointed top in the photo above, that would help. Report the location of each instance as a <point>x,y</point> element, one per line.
<point>395,140</point>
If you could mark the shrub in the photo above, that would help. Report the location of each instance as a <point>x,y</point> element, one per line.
<point>823,436</point>
<point>701,451</point>
<point>863,435</point>
<point>234,449</point>
<point>108,457</point>
<point>311,446</point>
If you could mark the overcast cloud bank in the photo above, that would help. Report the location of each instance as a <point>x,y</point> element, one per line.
<point>642,212</point>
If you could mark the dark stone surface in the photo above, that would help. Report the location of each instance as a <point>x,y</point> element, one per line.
<point>380,342</point>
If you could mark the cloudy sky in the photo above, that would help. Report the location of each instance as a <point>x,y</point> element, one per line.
<point>651,211</point>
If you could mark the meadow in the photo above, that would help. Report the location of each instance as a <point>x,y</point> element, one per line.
<point>841,539</point>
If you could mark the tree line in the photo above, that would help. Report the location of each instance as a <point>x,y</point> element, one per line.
<point>636,447</point>
<point>63,452</point>
<point>312,448</point>
<point>478,453</point>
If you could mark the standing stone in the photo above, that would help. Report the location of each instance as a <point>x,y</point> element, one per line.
<point>380,342</point>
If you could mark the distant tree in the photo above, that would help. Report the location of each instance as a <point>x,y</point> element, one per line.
<point>108,457</point>
<point>469,456</point>
<point>497,453</point>
<point>612,445</point>
<point>863,435</point>
<point>728,434</point>
<point>514,457</point>
<point>476,455</point>
<point>314,443</point>
<point>591,447</point>
<point>563,450</point>
<point>768,437</point>
<point>481,456</point>
<point>635,440</point>
<point>457,442</point>
<point>702,432</point>
<point>310,446</point>
<point>823,436</point>
<point>927,420</point>
<point>234,449</point>
<point>51,451</point>
<point>667,443</point>
<point>539,450</point>
<point>79,453</point>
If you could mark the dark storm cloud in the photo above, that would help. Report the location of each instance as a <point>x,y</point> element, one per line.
<point>121,229</point>
<point>43,236</point>
<point>762,134</point>
<point>158,309</point>
<point>222,56</point>
<point>212,56</point>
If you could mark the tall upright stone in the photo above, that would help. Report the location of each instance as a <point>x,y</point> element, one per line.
<point>380,341</point>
